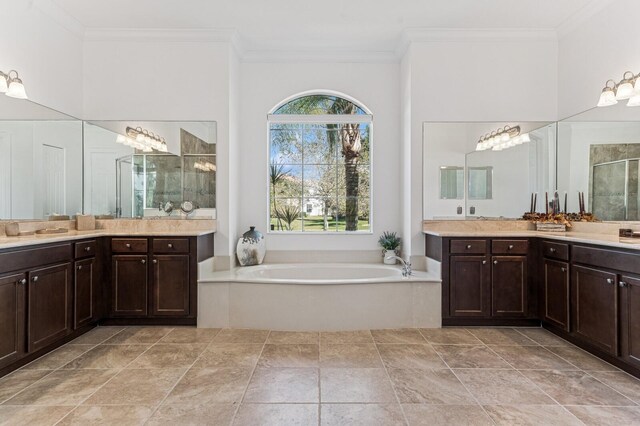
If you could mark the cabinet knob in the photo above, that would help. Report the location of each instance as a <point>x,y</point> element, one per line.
<point>484,262</point>
<point>22,281</point>
<point>79,267</point>
<point>495,262</point>
<point>563,269</point>
<point>622,284</point>
<point>609,281</point>
<point>34,279</point>
<point>468,246</point>
<point>552,250</point>
<point>170,245</point>
<point>143,261</point>
<point>510,247</point>
<point>128,245</point>
<point>155,260</point>
<point>87,249</point>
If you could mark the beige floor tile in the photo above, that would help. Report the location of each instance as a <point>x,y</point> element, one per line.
<point>294,337</point>
<point>404,335</point>
<point>227,335</point>
<point>342,337</point>
<point>289,356</point>
<point>501,336</point>
<point>531,415</point>
<point>206,414</point>
<point>277,414</point>
<point>410,356</point>
<point>361,414</point>
<point>613,416</point>
<point>63,387</point>
<point>502,387</point>
<point>355,385</point>
<point>283,385</point>
<point>532,358</point>
<point>627,385</point>
<point>97,335</point>
<point>449,336</point>
<point>190,335</point>
<point>429,387</point>
<point>107,356</point>
<point>445,415</point>
<point>581,359</point>
<point>19,380</point>
<point>58,358</point>
<point>210,385</point>
<point>575,388</point>
<point>122,415</point>
<point>470,356</point>
<point>136,387</point>
<point>543,337</point>
<point>355,355</point>
<point>229,355</point>
<point>169,356</point>
<point>138,335</point>
<point>31,415</point>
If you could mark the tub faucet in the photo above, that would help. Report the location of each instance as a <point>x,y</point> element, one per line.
<point>406,266</point>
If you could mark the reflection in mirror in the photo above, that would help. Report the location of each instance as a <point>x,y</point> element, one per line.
<point>496,183</point>
<point>122,180</point>
<point>451,183</point>
<point>598,154</point>
<point>40,161</point>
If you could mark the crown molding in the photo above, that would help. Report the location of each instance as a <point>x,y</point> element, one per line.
<point>60,16</point>
<point>167,35</point>
<point>318,56</point>
<point>426,35</point>
<point>581,16</point>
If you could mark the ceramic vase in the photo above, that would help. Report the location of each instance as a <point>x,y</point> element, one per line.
<point>388,253</point>
<point>251,248</point>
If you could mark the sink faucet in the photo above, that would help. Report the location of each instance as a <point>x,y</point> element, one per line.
<point>406,266</point>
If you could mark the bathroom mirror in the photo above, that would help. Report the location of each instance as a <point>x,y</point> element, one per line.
<point>41,161</point>
<point>124,177</point>
<point>451,183</point>
<point>496,183</point>
<point>599,155</point>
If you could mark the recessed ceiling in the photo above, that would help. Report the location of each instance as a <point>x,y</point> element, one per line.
<point>322,23</point>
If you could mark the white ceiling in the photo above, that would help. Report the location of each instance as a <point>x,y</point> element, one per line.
<point>323,24</point>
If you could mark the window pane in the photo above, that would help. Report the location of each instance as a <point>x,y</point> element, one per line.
<point>321,144</point>
<point>358,181</point>
<point>285,180</point>
<point>286,214</point>
<point>319,214</point>
<point>320,181</point>
<point>286,146</point>
<point>350,208</point>
<point>319,104</point>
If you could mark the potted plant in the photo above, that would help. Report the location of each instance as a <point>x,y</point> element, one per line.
<point>389,241</point>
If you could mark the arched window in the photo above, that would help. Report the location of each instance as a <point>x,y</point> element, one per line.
<point>320,165</point>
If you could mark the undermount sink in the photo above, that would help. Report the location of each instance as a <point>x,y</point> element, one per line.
<point>51,231</point>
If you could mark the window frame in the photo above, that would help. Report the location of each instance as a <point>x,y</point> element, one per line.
<point>320,119</point>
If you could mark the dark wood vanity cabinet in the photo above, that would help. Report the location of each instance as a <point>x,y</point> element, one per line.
<point>509,286</point>
<point>12,318</point>
<point>171,285</point>
<point>130,284</point>
<point>555,291</point>
<point>629,292</point>
<point>469,286</point>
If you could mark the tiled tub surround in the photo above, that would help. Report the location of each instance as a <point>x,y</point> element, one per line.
<point>161,375</point>
<point>319,296</point>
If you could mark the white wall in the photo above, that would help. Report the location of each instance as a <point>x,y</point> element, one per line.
<point>600,48</point>
<point>264,85</point>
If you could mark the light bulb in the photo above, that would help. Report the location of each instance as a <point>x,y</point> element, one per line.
<point>121,139</point>
<point>517,140</point>
<point>625,90</point>
<point>16,89</point>
<point>140,137</point>
<point>608,95</point>
<point>504,137</point>
<point>525,137</point>
<point>634,101</point>
<point>3,83</point>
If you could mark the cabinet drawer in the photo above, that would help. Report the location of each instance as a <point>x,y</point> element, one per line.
<point>509,246</point>
<point>34,257</point>
<point>129,245</point>
<point>85,249</point>
<point>468,246</point>
<point>170,245</point>
<point>555,250</point>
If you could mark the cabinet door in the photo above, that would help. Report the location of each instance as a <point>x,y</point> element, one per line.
<point>83,292</point>
<point>469,286</point>
<point>509,286</point>
<point>594,308</point>
<point>556,293</point>
<point>49,307</point>
<point>630,319</point>
<point>12,318</point>
<point>171,285</point>
<point>129,285</point>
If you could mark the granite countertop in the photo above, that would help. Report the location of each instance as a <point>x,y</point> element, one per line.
<point>30,240</point>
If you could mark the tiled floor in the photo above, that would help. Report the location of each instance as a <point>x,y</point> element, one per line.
<point>155,375</point>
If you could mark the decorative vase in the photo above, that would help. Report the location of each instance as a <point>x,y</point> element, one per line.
<point>251,248</point>
<point>388,253</point>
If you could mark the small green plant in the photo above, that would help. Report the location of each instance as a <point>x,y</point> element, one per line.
<point>288,214</point>
<point>389,241</point>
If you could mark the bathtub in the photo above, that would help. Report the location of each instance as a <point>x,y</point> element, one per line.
<point>319,297</point>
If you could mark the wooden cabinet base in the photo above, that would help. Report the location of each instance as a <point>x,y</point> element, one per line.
<point>490,322</point>
<point>149,321</point>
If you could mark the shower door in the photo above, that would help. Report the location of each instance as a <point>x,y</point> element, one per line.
<point>615,190</point>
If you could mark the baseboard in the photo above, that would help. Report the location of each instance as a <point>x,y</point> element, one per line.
<point>490,322</point>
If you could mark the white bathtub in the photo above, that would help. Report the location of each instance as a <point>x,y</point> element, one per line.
<point>319,296</point>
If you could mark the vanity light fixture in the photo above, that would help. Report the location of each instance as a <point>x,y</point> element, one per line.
<point>503,138</point>
<point>205,166</point>
<point>627,88</point>
<point>11,85</point>
<point>143,140</point>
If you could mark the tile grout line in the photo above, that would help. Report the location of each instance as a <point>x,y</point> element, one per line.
<point>53,370</point>
<point>386,370</point>
<point>253,371</point>
<point>111,378</point>
<point>157,407</point>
